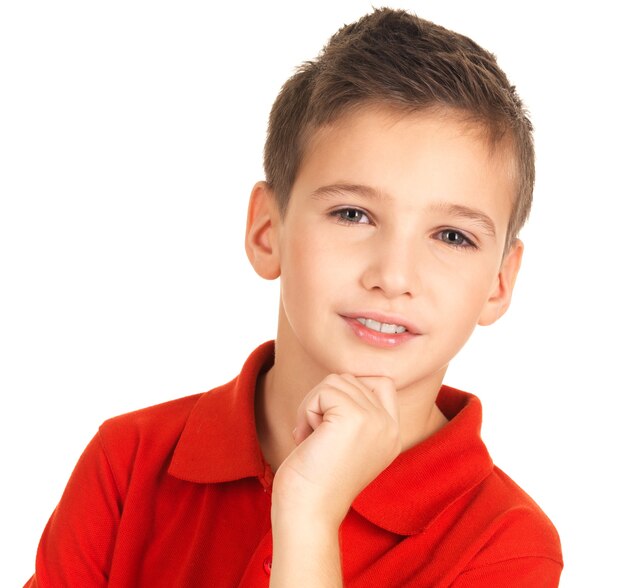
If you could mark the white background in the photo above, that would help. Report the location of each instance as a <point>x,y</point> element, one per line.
<point>130,136</point>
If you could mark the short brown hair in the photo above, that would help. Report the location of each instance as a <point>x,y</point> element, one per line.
<point>397,59</point>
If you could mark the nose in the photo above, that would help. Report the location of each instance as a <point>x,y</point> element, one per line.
<point>392,267</point>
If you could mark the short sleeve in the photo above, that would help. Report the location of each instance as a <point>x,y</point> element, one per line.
<point>522,572</point>
<point>77,544</point>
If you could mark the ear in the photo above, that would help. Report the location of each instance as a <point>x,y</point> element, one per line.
<point>262,232</point>
<point>500,297</point>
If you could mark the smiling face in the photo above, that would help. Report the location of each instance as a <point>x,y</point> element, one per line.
<point>391,249</point>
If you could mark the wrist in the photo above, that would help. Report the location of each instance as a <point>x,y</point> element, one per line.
<point>305,551</point>
<point>298,503</point>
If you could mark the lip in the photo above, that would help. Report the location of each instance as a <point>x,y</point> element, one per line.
<point>375,338</point>
<point>394,319</point>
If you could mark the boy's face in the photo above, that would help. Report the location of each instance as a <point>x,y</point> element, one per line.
<point>400,220</point>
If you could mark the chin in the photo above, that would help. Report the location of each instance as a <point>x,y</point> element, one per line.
<point>363,367</point>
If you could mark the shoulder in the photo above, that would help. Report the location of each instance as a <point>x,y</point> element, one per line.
<point>514,526</point>
<point>511,522</point>
<point>164,420</point>
<point>140,444</point>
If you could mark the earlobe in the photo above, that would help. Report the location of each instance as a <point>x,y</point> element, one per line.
<point>261,232</point>
<point>500,297</point>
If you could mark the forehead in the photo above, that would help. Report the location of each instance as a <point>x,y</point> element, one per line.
<point>366,121</point>
<point>432,154</point>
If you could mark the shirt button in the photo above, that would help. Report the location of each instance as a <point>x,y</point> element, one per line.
<point>267,565</point>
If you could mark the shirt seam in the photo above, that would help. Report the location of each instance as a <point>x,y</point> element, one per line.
<point>106,456</point>
<point>501,561</point>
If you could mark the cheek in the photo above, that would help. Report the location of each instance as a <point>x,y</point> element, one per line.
<point>464,295</point>
<point>310,270</point>
<point>316,258</point>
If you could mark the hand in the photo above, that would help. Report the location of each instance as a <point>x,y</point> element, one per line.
<point>346,433</point>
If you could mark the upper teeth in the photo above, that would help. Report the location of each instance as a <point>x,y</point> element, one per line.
<point>381,327</point>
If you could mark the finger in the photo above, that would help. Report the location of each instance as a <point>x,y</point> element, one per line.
<point>357,390</point>
<point>360,388</point>
<point>380,391</point>
<point>345,383</point>
<point>322,403</point>
<point>326,396</point>
<point>301,431</point>
<point>309,415</point>
<point>385,392</point>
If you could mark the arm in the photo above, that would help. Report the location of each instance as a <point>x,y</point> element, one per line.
<point>347,432</point>
<point>77,543</point>
<point>306,552</point>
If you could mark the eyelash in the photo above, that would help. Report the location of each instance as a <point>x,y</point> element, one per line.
<point>344,221</point>
<point>337,214</point>
<point>468,243</point>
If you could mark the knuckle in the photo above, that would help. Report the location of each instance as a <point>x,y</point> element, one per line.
<point>349,378</point>
<point>361,414</point>
<point>333,379</point>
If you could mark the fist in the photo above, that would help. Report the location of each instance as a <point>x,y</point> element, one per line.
<point>346,433</point>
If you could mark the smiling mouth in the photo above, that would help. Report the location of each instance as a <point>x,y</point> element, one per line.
<point>386,328</point>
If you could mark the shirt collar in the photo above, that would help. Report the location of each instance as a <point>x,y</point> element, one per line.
<point>427,478</point>
<point>219,444</point>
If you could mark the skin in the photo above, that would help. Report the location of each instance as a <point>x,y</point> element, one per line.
<point>372,226</point>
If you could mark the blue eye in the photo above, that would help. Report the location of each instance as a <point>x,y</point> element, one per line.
<point>350,216</point>
<point>456,238</point>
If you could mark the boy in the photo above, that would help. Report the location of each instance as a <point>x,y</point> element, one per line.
<point>399,171</point>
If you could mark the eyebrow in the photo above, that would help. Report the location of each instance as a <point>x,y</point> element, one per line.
<point>336,190</point>
<point>457,210</point>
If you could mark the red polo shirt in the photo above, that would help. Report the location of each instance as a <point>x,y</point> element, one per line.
<point>179,495</point>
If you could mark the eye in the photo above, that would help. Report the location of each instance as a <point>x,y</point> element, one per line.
<point>456,239</point>
<point>350,216</point>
